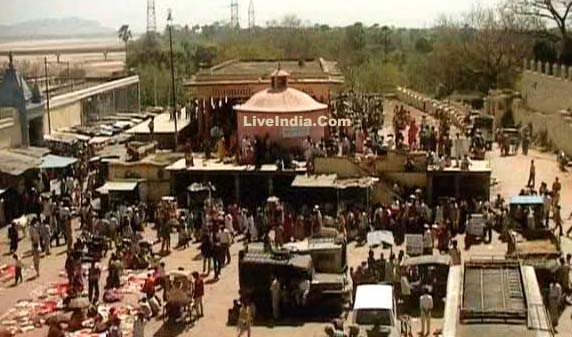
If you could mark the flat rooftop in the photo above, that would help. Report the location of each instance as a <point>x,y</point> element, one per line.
<point>258,70</point>
<point>493,292</point>
<point>495,298</point>
<point>163,124</point>
<point>214,166</point>
<point>480,166</point>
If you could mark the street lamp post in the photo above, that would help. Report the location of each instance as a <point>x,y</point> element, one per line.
<point>48,95</point>
<point>170,24</point>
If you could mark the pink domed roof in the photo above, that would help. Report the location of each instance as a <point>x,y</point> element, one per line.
<point>284,100</point>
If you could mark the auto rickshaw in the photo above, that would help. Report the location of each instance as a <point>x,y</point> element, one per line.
<point>432,271</point>
<point>510,141</point>
<point>485,125</point>
<point>178,295</point>
<point>529,238</point>
<point>526,213</point>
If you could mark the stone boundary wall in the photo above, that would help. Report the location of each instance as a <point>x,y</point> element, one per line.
<point>546,87</point>
<point>557,125</point>
<point>546,91</point>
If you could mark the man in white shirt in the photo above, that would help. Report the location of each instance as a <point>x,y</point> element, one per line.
<point>225,238</point>
<point>455,254</point>
<point>139,325</point>
<point>405,289</point>
<point>554,297</point>
<point>228,222</point>
<point>425,306</point>
<point>547,206</point>
<point>427,241</point>
<point>275,289</point>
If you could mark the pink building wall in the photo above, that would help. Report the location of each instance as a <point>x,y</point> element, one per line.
<point>290,137</point>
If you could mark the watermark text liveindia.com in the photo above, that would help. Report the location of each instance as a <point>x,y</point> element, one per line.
<point>296,121</point>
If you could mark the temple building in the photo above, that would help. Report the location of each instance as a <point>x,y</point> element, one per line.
<point>21,111</point>
<point>219,89</point>
<point>285,115</point>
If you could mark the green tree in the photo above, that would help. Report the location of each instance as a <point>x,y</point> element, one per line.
<point>355,36</point>
<point>423,46</point>
<point>124,34</point>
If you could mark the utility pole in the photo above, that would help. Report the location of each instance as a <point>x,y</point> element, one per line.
<point>48,95</point>
<point>173,92</point>
<point>251,15</point>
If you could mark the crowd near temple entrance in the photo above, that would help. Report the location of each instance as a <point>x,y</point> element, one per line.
<point>214,180</point>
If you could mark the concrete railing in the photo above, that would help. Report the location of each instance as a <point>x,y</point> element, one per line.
<point>456,110</point>
<point>549,69</point>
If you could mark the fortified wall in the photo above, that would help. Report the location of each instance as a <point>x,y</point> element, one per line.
<point>546,87</point>
<point>546,102</point>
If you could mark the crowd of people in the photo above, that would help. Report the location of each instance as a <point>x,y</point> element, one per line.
<point>67,215</point>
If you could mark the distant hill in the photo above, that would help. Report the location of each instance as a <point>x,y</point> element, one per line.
<point>54,28</point>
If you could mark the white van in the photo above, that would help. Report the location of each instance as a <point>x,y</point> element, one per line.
<point>374,312</point>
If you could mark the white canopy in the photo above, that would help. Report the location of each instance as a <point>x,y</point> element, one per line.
<point>118,186</point>
<point>331,181</point>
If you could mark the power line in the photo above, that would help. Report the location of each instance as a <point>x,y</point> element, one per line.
<point>234,18</point>
<point>251,15</point>
<point>151,17</point>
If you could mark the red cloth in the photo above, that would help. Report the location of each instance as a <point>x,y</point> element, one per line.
<point>412,134</point>
<point>48,307</point>
<point>61,288</point>
<point>8,271</point>
<point>288,226</point>
<point>149,286</point>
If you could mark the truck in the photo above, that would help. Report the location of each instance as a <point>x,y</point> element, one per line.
<point>330,283</point>
<point>495,297</point>
<point>257,269</point>
<point>319,262</point>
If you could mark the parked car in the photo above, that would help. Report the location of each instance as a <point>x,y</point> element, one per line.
<point>374,312</point>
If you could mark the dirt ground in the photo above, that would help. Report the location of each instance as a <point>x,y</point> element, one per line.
<point>512,172</point>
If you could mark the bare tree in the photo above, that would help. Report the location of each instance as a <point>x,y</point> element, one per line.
<point>483,50</point>
<point>557,12</point>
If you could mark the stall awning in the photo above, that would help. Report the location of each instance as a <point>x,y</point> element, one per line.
<point>56,162</point>
<point>315,181</point>
<point>15,164</point>
<point>362,182</point>
<point>198,187</point>
<point>527,200</point>
<point>118,186</point>
<point>332,181</point>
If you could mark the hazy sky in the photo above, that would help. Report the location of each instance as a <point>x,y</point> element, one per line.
<point>113,13</point>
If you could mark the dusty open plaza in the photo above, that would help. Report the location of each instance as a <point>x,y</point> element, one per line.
<point>376,172</point>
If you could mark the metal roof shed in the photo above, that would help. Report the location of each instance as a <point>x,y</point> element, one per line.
<point>56,162</point>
